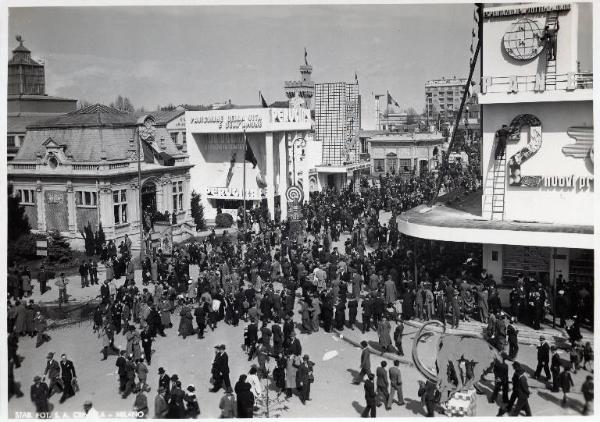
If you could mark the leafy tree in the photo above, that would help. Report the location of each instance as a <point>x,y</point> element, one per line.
<point>18,223</point>
<point>59,250</point>
<point>197,211</point>
<point>100,239</point>
<point>411,116</point>
<point>89,238</point>
<point>123,104</point>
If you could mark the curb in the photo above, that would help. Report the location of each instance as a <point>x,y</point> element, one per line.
<point>392,356</point>
<point>525,340</point>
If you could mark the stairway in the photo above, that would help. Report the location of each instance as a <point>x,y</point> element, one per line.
<point>551,21</point>
<point>498,188</point>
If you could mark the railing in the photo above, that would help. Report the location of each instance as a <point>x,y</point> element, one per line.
<point>85,167</point>
<point>118,166</point>
<point>539,83</point>
<point>23,166</point>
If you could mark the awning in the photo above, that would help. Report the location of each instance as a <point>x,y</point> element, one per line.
<point>444,223</point>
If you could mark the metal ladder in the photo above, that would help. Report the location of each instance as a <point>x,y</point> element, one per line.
<point>498,188</point>
<point>551,21</point>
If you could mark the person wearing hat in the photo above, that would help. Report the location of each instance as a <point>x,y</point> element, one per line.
<point>52,372</point>
<point>161,408</point>
<point>140,405</point>
<point>164,381</point>
<point>520,393</point>
<point>555,365</point>
<point>304,377</point>
<point>543,358</point>
<point>228,405</point>
<point>42,278</point>
<point>192,409</point>
<point>220,369</point>
<point>176,399</point>
<point>370,398</point>
<point>455,306</point>
<point>39,395</point>
<point>512,334</point>
<point>294,347</point>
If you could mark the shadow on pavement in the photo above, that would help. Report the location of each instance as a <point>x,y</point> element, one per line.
<point>359,409</point>
<point>571,402</point>
<point>414,406</point>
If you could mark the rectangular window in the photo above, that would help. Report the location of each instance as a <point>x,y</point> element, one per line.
<point>10,141</point>
<point>494,255</point>
<point>27,196</point>
<point>174,137</point>
<point>378,164</point>
<point>405,165</point>
<point>183,138</point>
<point>86,198</point>
<point>120,206</point>
<point>177,196</point>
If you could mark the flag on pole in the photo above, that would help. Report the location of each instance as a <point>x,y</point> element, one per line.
<point>263,101</point>
<point>391,101</point>
<point>305,56</point>
<point>355,77</point>
<point>249,155</point>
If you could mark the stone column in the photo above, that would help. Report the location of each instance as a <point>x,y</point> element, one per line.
<point>105,203</point>
<point>283,172</point>
<point>269,173</point>
<point>71,208</point>
<point>133,206</point>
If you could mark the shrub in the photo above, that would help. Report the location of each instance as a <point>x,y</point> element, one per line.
<point>197,211</point>
<point>24,247</point>
<point>224,220</point>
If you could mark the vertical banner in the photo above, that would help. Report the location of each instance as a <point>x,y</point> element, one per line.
<point>295,198</point>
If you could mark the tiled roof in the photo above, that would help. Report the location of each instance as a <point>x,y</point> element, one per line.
<point>280,104</point>
<point>96,115</point>
<point>161,118</point>
<point>89,143</point>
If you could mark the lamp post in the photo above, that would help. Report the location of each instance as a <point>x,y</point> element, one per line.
<point>302,143</point>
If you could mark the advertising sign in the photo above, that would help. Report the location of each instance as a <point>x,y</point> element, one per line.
<point>294,197</point>
<point>249,120</point>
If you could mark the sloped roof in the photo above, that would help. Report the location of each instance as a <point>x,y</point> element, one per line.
<point>96,115</point>
<point>280,104</point>
<point>163,117</point>
<point>87,143</point>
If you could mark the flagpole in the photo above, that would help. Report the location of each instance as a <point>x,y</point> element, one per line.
<point>244,189</point>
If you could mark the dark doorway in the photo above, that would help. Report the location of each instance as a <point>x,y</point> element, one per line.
<point>149,197</point>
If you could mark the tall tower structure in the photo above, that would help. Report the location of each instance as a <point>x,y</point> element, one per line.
<point>300,93</point>
<point>25,75</point>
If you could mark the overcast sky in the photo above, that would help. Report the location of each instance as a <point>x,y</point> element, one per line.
<point>206,54</point>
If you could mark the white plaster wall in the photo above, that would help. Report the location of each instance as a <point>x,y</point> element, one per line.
<point>555,205</point>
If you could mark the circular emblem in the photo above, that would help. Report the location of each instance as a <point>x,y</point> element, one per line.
<point>522,40</point>
<point>294,194</point>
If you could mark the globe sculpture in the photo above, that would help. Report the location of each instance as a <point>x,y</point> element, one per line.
<point>522,40</point>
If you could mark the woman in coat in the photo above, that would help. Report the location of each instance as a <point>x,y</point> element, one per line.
<point>383,331</point>
<point>293,363</point>
<point>165,313</point>
<point>26,284</point>
<point>30,319</point>
<point>20,321</point>
<point>305,311</point>
<point>186,327</point>
<point>245,398</point>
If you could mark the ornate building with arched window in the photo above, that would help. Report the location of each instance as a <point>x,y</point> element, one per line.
<point>82,168</point>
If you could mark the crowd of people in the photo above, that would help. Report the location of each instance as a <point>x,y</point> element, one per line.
<point>269,279</point>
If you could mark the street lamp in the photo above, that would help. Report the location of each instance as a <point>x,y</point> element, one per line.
<point>302,143</point>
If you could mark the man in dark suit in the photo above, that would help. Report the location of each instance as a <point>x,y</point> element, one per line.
<point>352,312</point>
<point>543,358</point>
<point>395,384</point>
<point>383,385</point>
<point>121,363</point>
<point>52,372</point>
<point>555,366</point>
<point>295,347</point>
<point>521,388</point>
<point>398,333</point>
<point>304,377</point>
<point>164,381</point>
<point>39,395</point>
<point>366,313</point>
<point>365,362</point>
<point>161,408</point>
<point>68,375</point>
<point>220,369</point>
<point>501,379</point>
<point>147,340</point>
<point>370,396</point>
<point>42,279</point>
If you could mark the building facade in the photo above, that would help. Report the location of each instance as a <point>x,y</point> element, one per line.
<point>537,208</point>
<point>443,97</point>
<point>220,140</point>
<point>27,99</point>
<point>337,122</point>
<point>82,168</point>
<point>300,93</point>
<point>404,153</point>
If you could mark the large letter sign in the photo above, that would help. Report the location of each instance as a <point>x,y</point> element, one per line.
<point>533,146</point>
